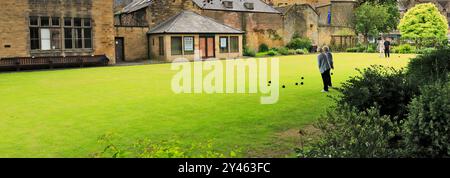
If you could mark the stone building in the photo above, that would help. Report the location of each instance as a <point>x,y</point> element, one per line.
<point>261,22</point>
<point>188,33</point>
<point>56,28</point>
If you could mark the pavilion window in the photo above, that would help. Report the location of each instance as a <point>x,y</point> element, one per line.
<point>188,44</point>
<point>176,46</point>
<point>234,44</point>
<point>161,45</point>
<point>224,44</point>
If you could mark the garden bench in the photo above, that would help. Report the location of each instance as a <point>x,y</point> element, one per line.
<point>27,63</point>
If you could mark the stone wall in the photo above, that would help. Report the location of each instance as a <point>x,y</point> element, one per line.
<point>14,28</point>
<point>260,28</point>
<point>103,28</point>
<point>15,31</point>
<point>135,42</point>
<point>301,20</point>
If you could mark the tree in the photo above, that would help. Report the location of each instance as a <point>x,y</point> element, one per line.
<point>393,12</point>
<point>371,19</point>
<point>425,25</point>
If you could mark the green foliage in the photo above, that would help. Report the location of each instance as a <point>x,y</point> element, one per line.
<point>378,85</point>
<point>249,52</point>
<point>272,53</point>
<point>349,133</point>
<point>429,67</point>
<point>283,51</point>
<point>404,49</point>
<point>426,50</point>
<point>299,43</point>
<point>302,51</point>
<point>370,19</point>
<point>427,130</point>
<point>352,50</point>
<point>425,25</point>
<point>162,149</point>
<point>371,49</point>
<point>292,52</point>
<point>263,47</point>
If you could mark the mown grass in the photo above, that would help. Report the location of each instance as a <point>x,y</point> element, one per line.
<point>61,113</point>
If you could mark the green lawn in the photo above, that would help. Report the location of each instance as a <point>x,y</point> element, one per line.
<point>62,113</point>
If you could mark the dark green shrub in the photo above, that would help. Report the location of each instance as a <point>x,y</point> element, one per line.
<point>349,133</point>
<point>263,47</point>
<point>352,50</point>
<point>299,43</point>
<point>427,130</point>
<point>404,49</point>
<point>380,85</point>
<point>292,52</point>
<point>426,50</point>
<point>429,67</point>
<point>361,48</point>
<point>283,51</point>
<point>249,52</point>
<point>272,53</point>
<point>370,49</point>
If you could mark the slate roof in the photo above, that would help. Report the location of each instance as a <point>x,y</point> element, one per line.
<point>238,5</point>
<point>193,23</point>
<point>136,5</point>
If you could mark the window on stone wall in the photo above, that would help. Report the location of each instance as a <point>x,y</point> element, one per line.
<point>161,45</point>
<point>188,44</point>
<point>47,33</point>
<point>68,38</point>
<point>234,44</point>
<point>223,44</point>
<point>176,45</point>
<point>34,38</point>
<point>77,33</point>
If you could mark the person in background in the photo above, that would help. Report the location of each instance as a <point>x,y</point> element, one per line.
<point>327,51</point>
<point>324,69</point>
<point>387,48</point>
<point>381,46</point>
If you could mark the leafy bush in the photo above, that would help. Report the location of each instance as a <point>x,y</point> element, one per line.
<point>425,50</point>
<point>348,133</point>
<point>161,149</point>
<point>292,52</point>
<point>302,51</point>
<point>430,67</point>
<point>299,43</point>
<point>249,52</point>
<point>272,53</point>
<point>263,47</point>
<point>283,51</point>
<point>352,50</point>
<point>427,130</point>
<point>404,49</point>
<point>361,48</point>
<point>380,85</point>
<point>370,49</point>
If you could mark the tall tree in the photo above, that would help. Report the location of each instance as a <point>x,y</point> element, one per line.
<point>371,19</point>
<point>425,25</point>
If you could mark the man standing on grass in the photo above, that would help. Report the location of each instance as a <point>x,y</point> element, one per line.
<point>387,48</point>
<point>327,51</point>
<point>324,68</point>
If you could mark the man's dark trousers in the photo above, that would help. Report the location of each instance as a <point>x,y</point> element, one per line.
<point>326,78</point>
<point>387,52</point>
